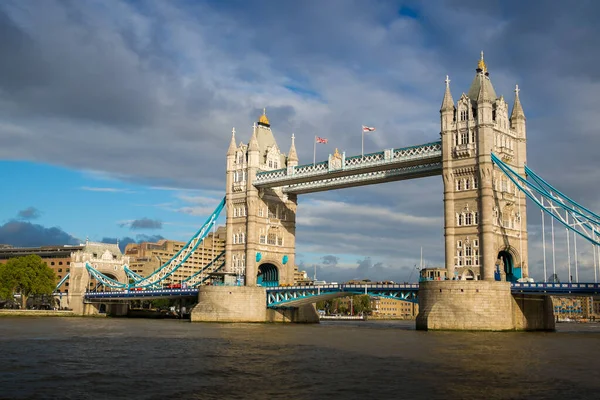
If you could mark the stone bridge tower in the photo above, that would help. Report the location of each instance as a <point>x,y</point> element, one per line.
<point>485,218</point>
<point>261,223</point>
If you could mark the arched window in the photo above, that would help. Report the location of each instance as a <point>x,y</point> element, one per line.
<point>460,219</point>
<point>467,184</point>
<point>235,212</point>
<point>468,219</point>
<point>235,238</point>
<point>475,182</point>
<point>459,257</point>
<point>476,256</point>
<point>242,238</point>
<point>475,217</point>
<point>459,184</point>
<point>272,239</point>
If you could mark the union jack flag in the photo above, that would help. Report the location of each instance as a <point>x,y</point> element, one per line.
<point>367,129</point>
<point>321,140</point>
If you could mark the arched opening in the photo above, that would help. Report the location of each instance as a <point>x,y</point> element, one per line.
<point>506,263</point>
<point>468,275</point>
<point>102,309</point>
<point>268,275</point>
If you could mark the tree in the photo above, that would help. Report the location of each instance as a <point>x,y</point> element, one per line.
<point>27,275</point>
<point>362,304</point>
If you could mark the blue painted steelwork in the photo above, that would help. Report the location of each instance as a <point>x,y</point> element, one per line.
<point>283,296</point>
<point>142,294</point>
<point>168,268</point>
<point>268,275</point>
<point>580,289</point>
<point>198,278</point>
<point>62,281</point>
<point>131,274</point>
<point>105,280</point>
<point>567,212</point>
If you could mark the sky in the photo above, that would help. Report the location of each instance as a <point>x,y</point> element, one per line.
<point>115,120</point>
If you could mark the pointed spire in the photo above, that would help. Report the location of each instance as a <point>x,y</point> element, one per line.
<point>448,102</point>
<point>232,146</point>
<point>253,144</point>
<point>292,155</point>
<point>481,67</point>
<point>517,111</point>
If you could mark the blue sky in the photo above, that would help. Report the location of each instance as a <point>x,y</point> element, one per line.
<point>115,121</point>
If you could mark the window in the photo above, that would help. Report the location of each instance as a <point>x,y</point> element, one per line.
<point>270,163</point>
<point>459,244</point>
<point>476,256</point>
<point>52,262</point>
<point>467,184</point>
<point>475,242</point>
<point>459,184</point>
<point>275,165</point>
<point>460,219</point>
<point>475,217</point>
<point>272,239</point>
<point>468,219</point>
<point>240,158</point>
<point>475,182</point>
<point>261,213</point>
<point>464,137</point>
<point>262,239</point>
<point>235,212</point>
<point>279,241</point>
<point>242,238</point>
<point>60,263</point>
<point>60,270</point>
<point>235,238</point>
<point>272,212</point>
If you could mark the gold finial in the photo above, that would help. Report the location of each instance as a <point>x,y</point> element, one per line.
<point>263,118</point>
<point>481,64</point>
<point>337,153</point>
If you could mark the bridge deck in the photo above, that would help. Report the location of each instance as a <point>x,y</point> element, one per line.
<point>384,166</point>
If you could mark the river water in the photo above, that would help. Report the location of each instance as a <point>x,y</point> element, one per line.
<point>104,358</point>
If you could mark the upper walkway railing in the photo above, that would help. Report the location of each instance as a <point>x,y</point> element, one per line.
<point>339,170</point>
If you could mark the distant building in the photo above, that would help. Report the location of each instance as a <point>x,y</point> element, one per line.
<point>56,257</point>
<point>147,257</point>
<point>382,307</point>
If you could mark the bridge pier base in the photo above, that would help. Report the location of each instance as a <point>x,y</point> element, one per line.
<point>245,304</point>
<point>480,306</point>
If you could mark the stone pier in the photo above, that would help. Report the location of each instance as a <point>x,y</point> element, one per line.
<point>480,306</point>
<point>245,304</point>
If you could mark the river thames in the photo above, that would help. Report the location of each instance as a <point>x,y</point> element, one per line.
<point>103,358</point>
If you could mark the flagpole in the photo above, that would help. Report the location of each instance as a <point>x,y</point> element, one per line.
<point>315,151</point>
<point>362,145</point>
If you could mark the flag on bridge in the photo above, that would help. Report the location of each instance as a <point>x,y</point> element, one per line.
<point>321,140</point>
<point>368,129</point>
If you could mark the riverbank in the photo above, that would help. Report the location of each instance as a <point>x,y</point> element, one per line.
<point>36,313</point>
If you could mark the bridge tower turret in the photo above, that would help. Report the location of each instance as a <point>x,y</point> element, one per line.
<point>485,226</point>
<point>260,222</point>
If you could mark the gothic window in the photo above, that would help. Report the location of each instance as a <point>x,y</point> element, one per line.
<point>272,212</point>
<point>467,184</point>
<point>473,136</point>
<point>475,217</point>
<point>460,219</point>
<point>262,239</point>
<point>464,137</point>
<point>459,184</point>
<point>476,256</point>
<point>279,241</point>
<point>460,258</point>
<point>475,183</point>
<point>271,239</point>
<point>459,244</point>
<point>475,242</point>
<point>468,219</point>
<point>261,213</point>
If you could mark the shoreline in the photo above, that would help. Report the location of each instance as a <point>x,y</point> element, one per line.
<point>36,313</point>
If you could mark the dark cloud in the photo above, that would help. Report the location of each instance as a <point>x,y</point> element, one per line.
<point>29,213</point>
<point>26,234</point>
<point>123,242</point>
<point>330,260</point>
<point>167,81</point>
<point>143,223</point>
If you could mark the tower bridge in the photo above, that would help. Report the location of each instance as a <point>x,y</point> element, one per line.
<point>482,160</point>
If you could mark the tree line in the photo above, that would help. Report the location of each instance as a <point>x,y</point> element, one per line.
<point>27,276</point>
<point>361,304</point>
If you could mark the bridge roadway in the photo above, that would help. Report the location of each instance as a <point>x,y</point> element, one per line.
<point>293,296</point>
<point>384,166</point>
